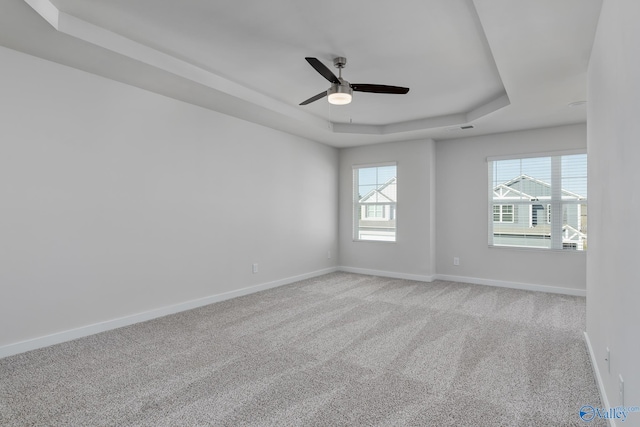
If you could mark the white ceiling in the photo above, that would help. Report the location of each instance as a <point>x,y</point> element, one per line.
<point>498,65</point>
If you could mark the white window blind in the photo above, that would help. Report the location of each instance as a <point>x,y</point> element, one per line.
<point>374,202</point>
<point>539,202</point>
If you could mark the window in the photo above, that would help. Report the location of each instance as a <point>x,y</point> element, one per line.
<point>374,212</point>
<point>502,213</point>
<point>539,201</point>
<point>374,202</point>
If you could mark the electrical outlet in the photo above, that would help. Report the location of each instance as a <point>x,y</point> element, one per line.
<point>328,254</point>
<point>608,360</point>
<point>255,268</point>
<point>621,390</point>
<point>456,260</point>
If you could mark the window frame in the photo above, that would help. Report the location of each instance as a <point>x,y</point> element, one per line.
<point>554,203</point>
<point>360,210</point>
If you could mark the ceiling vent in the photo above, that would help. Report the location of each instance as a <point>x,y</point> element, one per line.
<point>457,128</point>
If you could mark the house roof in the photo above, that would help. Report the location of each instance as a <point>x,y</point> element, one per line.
<point>386,193</point>
<point>529,188</point>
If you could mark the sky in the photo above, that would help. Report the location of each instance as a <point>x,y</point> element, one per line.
<point>374,177</point>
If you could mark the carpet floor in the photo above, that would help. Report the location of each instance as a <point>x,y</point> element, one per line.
<point>342,349</point>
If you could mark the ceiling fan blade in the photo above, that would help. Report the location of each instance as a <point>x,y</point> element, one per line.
<point>314,98</point>
<point>363,87</point>
<point>323,70</point>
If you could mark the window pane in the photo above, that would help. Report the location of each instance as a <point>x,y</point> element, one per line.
<point>574,175</point>
<point>375,203</point>
<point>507,213</point>
<point>368,192</point>
<point>574,232</point>
<point>385,173</point>
<point>521,234</point>
<point>518,179</point>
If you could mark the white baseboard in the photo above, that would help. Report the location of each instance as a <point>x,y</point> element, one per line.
<point>513,285</point>
<point>464,279</point>
<point>596,373</point>
<point>83,331</point>
<point>382,273</point>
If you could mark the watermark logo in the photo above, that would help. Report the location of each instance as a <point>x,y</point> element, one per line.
<point>589,413</point>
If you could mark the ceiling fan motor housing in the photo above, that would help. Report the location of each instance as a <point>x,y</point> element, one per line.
<point>344,87</point>
<point>339,62</point>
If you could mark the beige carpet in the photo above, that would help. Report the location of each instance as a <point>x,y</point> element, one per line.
<point>341,349</point>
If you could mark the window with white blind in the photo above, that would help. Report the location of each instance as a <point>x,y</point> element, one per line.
<point>374,202</point>
<point>538,201</point>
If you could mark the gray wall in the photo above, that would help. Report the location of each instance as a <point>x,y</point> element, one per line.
<point>461,212</point>
<point>613,278</point>
<point>412,255</point>
<point>118,201</point>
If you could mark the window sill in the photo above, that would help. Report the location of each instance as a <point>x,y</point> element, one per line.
<point>375,241</point>
<point>534,249</point>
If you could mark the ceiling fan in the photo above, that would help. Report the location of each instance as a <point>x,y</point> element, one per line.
<point>340,92</point>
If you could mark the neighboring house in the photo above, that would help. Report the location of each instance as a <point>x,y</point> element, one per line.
<point>532,221</point>
<point>378,212</point>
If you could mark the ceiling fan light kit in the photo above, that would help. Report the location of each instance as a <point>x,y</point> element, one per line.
<point>340,94</point>
<point>341,91</point>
